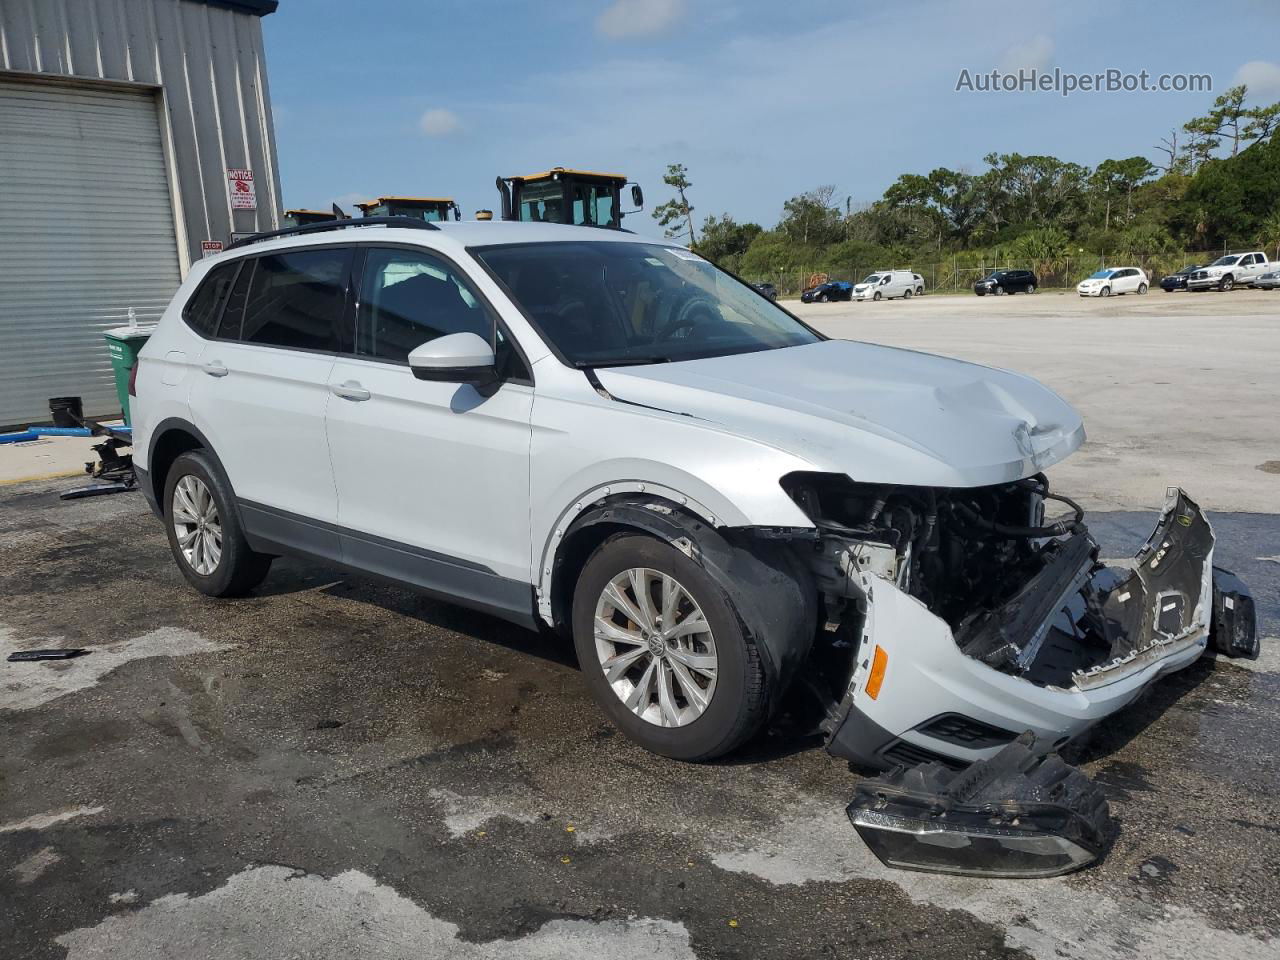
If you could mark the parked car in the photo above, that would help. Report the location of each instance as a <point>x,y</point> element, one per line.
<point>609,437</point>
<point>768,289</point>
<point>831,290</point>
<point>1268,281</point>
<point>1178,281</point>
<point>1114,280</point>
<point>1232,270</point>
<point>1007,281</point>
<point>887,284</point>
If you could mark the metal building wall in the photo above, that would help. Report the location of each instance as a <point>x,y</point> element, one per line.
<point>208,61</point>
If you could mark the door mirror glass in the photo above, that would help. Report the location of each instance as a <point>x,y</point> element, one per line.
<point>455,358</point>
<point>637,196</point>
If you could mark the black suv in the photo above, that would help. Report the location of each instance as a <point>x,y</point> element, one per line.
<point>1001,282</point>
<point>1178,281</point>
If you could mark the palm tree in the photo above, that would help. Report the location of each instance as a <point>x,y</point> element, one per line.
<point>1269,233</point>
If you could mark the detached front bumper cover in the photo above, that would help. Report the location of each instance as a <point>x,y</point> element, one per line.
<point>1017,815</point>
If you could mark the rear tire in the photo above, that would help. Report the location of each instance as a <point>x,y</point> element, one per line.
<point>1031,288</point>
<point>908,294</point>
<point>204,529</point>
<point>739,695</point>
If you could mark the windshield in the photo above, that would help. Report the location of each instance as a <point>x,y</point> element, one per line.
<point>1100,275</point>
<point>1224,261</point>
<point>874,278</point>
<point>605,303</point>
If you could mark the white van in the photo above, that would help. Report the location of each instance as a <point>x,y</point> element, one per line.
<point>887,284</point>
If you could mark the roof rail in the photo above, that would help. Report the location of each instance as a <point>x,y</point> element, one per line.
<point>413,223</point>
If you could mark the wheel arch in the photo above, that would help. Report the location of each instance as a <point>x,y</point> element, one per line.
<point>169,440</point>
<point>767,585</point>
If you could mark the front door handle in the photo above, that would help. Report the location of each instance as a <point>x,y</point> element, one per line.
<point>349,391</point>
<point>214,368</point>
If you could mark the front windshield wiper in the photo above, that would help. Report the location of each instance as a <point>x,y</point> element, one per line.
<point>629,362</point>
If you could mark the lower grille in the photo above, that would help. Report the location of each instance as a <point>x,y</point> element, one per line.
<point>909,755</point>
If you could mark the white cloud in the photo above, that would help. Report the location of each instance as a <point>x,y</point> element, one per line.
<point>1035,53</point>
<point>438,122</point>
<point>638,18</point>
<point>1263,78</point>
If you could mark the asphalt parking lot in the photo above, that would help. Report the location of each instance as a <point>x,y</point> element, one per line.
<point>336,768</point>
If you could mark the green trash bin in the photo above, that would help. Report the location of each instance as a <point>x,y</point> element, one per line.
<point>123,343</point>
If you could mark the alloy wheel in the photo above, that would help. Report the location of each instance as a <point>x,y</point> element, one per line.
<point>196,524</point>
<point>655,647</point>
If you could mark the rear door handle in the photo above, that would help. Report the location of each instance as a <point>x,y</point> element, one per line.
<point>349,391</point>
<point>214,368</point>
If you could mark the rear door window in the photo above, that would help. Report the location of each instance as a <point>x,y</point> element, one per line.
<point>201,311</point>
<point>296,299</point>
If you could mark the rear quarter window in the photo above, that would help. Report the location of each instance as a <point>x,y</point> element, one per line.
<point>201,311</point>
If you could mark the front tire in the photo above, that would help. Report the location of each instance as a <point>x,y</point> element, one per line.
<point>205,534</point>
<point>1226,283</point>
<point>1142,289</point>
<point>877,296</point>
<point>1105,292</point>
<point>663,651</point>
<point>999,291</point>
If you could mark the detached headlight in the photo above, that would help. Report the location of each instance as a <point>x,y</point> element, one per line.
<point>1015,815</point>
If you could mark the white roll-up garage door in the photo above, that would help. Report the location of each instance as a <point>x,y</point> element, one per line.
<point>86,232</point>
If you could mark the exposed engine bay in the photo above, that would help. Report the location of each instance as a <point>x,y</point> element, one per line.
<point>954,619</point>
<point>981,558</point>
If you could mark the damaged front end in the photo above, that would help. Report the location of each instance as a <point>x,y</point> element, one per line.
<point>957,619</point>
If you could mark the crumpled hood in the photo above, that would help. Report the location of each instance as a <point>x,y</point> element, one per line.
<point>879,414</point>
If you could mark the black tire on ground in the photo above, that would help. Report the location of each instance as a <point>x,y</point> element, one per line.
<point>999,291</point>
<point>239,568</point>
<point>1106,291</point>
<point>907,294</point>
<point>739,705</point>
<point>877,295</point>
<point>1226,283</point>
<point>1142,289</point>
<point>919,291</point>
<point>1031,288</point>
<point>821,298</point>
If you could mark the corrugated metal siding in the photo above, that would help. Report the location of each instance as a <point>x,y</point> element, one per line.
<point>86,232</point>
<point>212,67</point>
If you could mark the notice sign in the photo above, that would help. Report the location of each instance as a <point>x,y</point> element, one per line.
<point>240,189</point>
<point>210,248</point>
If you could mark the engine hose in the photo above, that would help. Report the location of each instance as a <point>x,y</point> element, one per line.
<point>1055,529</point>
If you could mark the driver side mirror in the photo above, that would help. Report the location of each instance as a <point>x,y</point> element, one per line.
<point>456,358</point>
<point>637,196</point>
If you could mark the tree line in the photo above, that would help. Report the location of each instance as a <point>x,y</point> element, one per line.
<point>1217,186</point>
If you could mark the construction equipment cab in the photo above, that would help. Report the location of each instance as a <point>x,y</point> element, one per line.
<point>434,209</point>
<point>300,218</point>
<point>559,195</point>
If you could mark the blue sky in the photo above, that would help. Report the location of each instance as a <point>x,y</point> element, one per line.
<point>760,99</point>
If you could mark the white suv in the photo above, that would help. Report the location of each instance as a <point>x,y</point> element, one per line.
<point>607,436</point>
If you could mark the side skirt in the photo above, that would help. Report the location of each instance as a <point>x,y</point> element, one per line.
<point>275,531</point>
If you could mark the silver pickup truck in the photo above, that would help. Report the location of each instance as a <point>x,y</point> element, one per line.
<point>1232,270</point>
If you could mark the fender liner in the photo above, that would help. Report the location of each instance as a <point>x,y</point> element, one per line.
<point>768,586</point>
